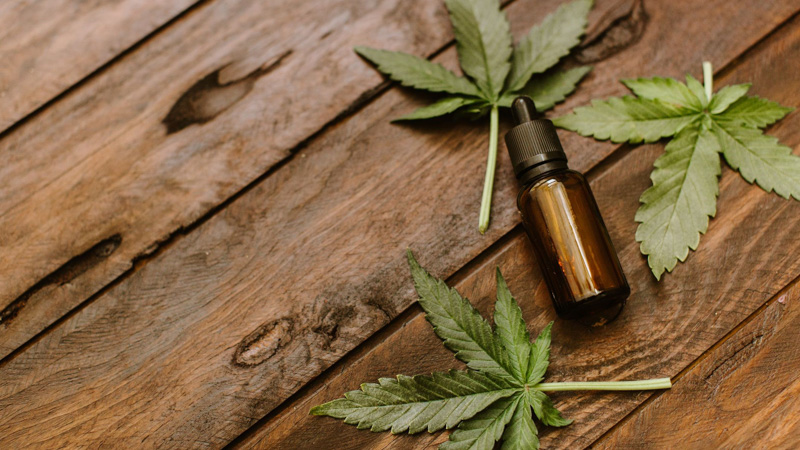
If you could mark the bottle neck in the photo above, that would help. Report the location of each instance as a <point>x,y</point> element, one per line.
<point>537,171</point>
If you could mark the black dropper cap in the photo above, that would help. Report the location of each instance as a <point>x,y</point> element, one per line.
<point>533,144</point>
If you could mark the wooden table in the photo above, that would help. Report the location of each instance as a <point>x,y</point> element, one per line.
<point>204,211</point>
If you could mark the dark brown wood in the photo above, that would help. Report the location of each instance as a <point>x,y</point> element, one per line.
<point>124,156</point>
<point>748,254</point>
<point>46,47</point>
<point>228,322</point>
<point>743,394</point>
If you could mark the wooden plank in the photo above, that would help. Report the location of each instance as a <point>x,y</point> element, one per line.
<point>748,254</point>
<point>744,394</point>
<point>47,47</point>
<point>101,165</point>
<point>277,286</point>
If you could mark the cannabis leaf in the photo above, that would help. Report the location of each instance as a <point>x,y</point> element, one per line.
<point>496,72</point>
<point>677,207</point>
<point>495,398</point>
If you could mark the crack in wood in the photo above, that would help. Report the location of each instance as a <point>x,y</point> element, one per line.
<point>620,28</point>
<point>63,275</point>
<point>208,98</point>
<point>730,363</point>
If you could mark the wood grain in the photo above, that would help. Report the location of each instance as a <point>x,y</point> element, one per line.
<point>128,155</point>
<point>120,175</point>
<point>215,332</point>
<point>743,394</point>
<point>748,254</point>
<point>46,47</point>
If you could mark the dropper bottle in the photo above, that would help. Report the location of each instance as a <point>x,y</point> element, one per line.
<point>563,222</point>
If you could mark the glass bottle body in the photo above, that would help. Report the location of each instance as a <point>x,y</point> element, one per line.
<point>573,247</point>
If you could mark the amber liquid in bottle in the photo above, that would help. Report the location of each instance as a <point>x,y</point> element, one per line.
<point>564,225</point>
<point>572,246</point>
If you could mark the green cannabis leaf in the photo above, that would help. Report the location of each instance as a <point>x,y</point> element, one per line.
<point>495,398</point>
<point>495,71</point>
<point>677,207</point>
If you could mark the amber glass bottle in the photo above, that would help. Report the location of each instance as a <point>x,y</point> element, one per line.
<point>563,222</point>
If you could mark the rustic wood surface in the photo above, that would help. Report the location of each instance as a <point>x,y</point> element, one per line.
<point>119,135</point>
<point>720,286</point>
<point>138,223</point>
<point>285,218</point>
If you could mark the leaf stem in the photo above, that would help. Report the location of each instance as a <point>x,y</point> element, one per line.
<point>491,163</point>
<point>641,385</point>
<point>708,79</point>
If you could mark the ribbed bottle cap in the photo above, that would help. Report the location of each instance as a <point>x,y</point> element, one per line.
<point>533,142</point>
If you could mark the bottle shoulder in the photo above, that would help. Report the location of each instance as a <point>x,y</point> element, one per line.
<point>570,180</point>
<point>566,176</point>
